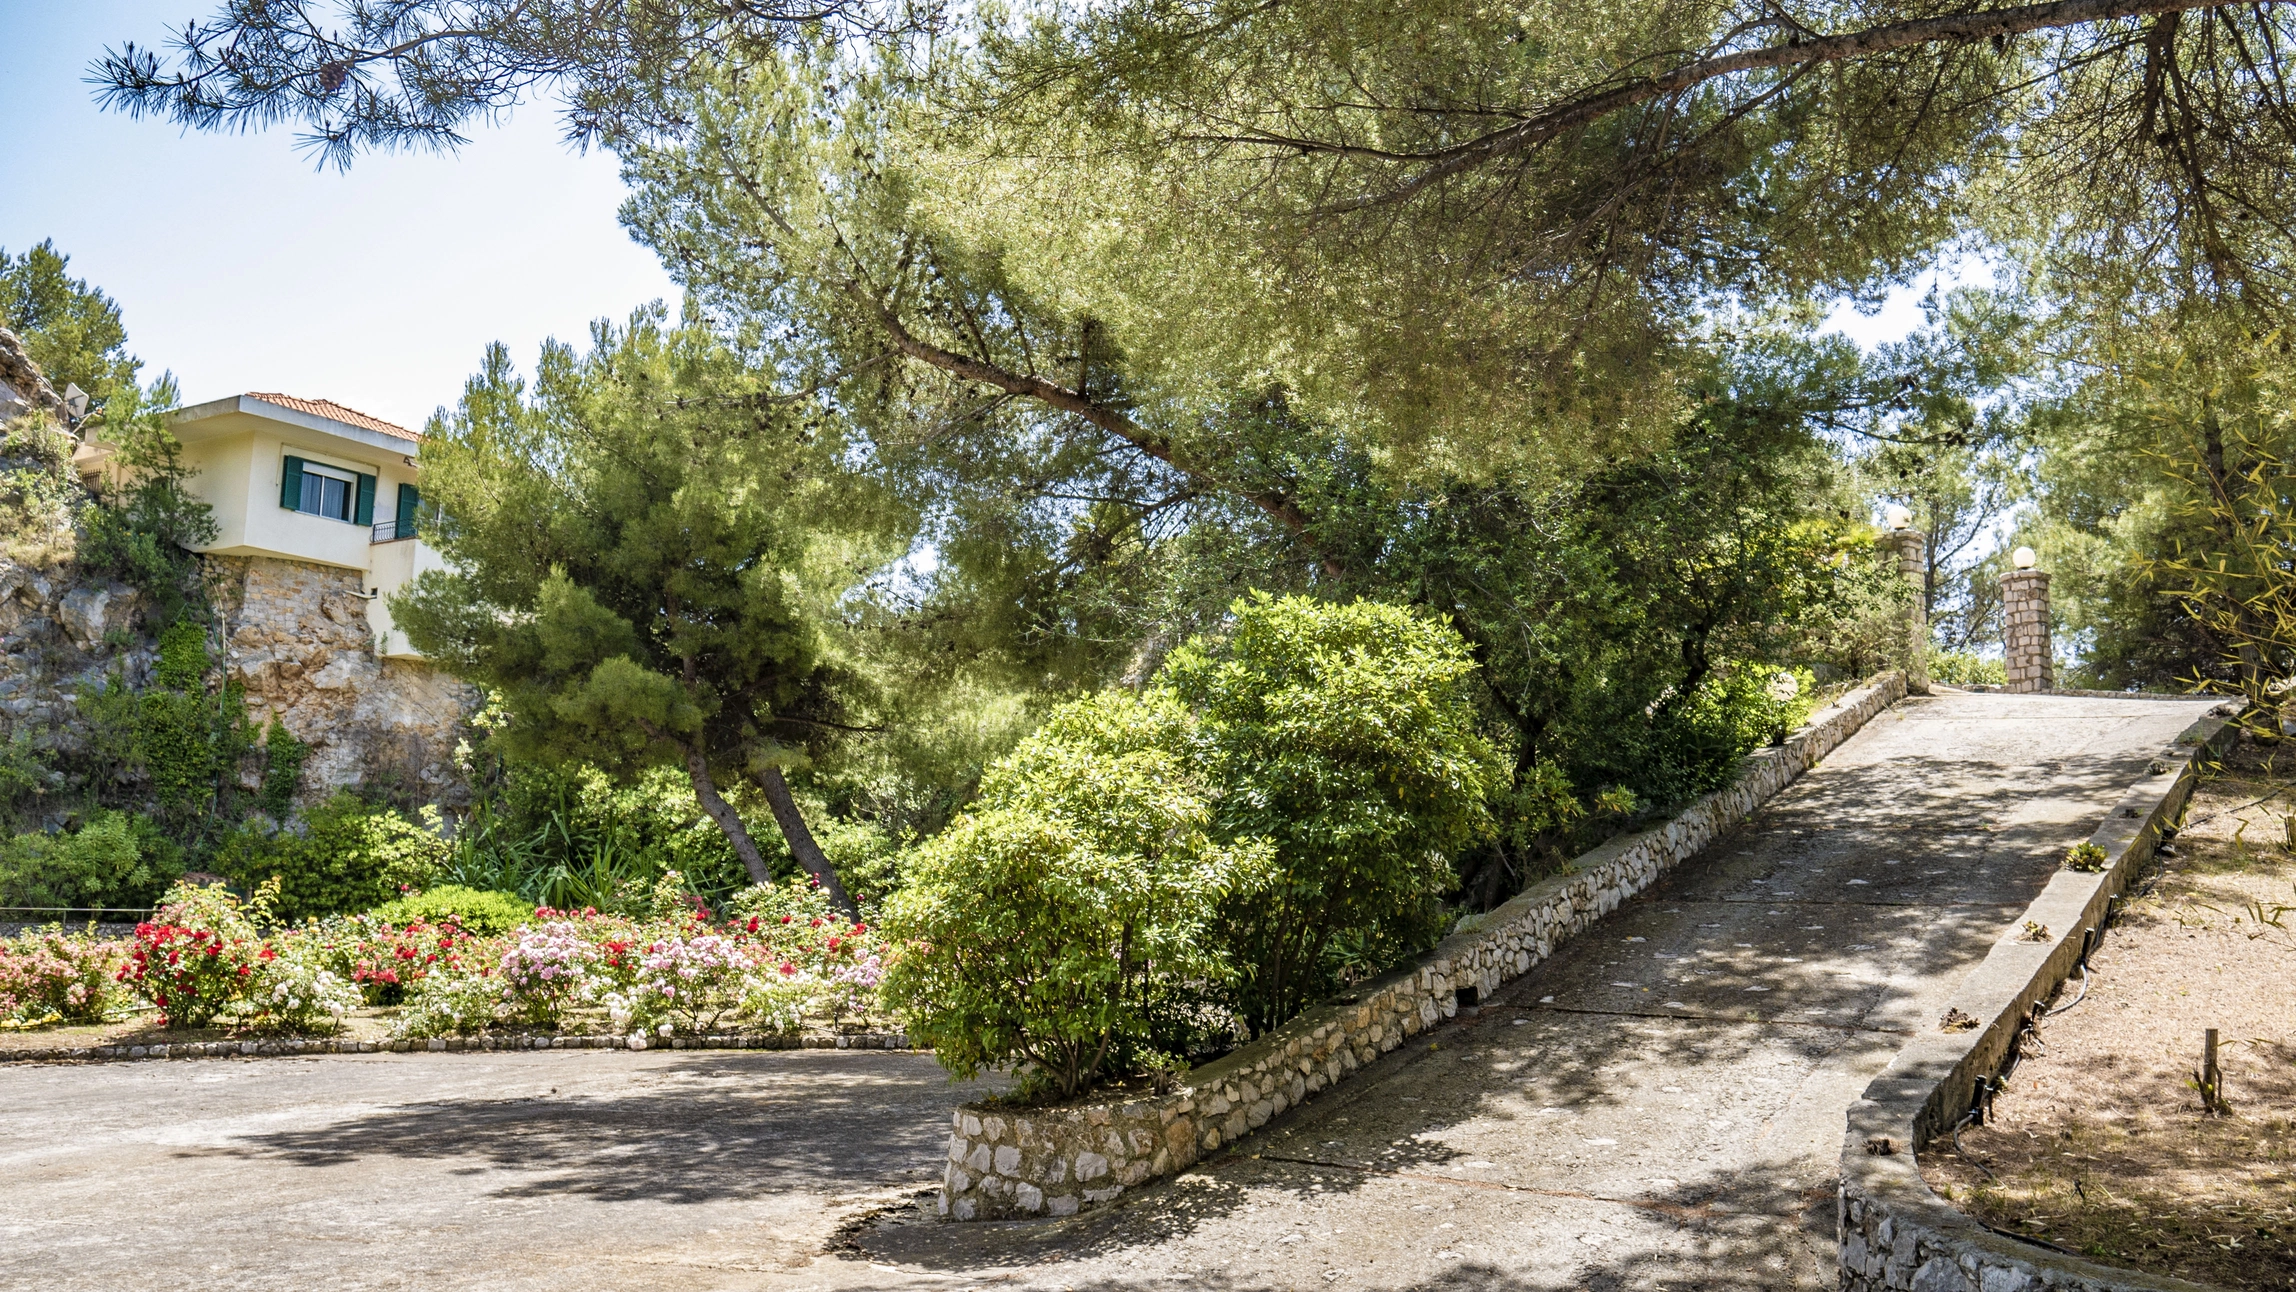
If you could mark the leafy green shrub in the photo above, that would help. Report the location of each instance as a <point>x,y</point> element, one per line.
<point>24,775</point>
<point>470,909</point>
<point>570,838</point>
<point>1960,668</point>
<point>354,856</point>
<point>147,524</point>
<point>2086,856</point>
<point>1347,736</point>
<point>1041,928</point>
<point>99,865</point>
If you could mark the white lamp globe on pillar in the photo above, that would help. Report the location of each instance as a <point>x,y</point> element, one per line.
<point>1897,516</point>
<point>2023,558</point>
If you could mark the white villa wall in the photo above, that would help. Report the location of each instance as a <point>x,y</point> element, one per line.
<point>395,564</point>
<point>220,470</point>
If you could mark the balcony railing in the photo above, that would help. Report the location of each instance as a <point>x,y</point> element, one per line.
<point>390,531</point>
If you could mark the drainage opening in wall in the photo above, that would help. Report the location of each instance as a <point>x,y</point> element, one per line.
<point>1466,997</point>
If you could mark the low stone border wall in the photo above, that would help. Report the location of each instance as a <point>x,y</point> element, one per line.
<point>1995,688</point>
<point>281,1047</point>
<point>1895,1234</point>
<point>1006,1162</point>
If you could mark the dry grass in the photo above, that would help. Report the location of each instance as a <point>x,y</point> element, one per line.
<point>2101,1145</point>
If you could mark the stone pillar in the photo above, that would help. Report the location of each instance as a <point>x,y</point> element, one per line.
<point>2025,630</point>
<point>1911,551</point>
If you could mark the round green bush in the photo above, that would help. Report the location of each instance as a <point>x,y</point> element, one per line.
<point>475,910</point>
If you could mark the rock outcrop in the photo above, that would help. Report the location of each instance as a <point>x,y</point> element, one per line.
<point>23,387</point>
<point>296,637</point>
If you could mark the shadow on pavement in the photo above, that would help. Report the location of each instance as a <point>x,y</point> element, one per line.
<point>711,1127</point>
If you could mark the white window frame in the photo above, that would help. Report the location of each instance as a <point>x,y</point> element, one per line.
<point>347,478</point>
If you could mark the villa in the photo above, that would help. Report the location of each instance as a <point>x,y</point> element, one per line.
<point>305,480</point>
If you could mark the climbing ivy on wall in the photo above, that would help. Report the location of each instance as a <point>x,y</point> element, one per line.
<point>174,748</point>
<point>283,757</point>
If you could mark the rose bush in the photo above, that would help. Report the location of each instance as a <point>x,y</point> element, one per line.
<point>545,969</point>
<point>50,975</point>
<point>782,958</point>
<point>698,978</point>
<point>197,957</point>
<point>296,991</point>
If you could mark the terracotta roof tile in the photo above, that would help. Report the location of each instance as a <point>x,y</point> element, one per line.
<point>329,408</point>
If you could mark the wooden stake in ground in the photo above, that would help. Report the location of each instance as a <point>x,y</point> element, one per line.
<point>2210,1079</point>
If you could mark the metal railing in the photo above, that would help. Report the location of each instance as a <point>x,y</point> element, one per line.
<point>391,531</point>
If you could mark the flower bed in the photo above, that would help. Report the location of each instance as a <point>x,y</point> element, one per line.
<point>776,966</point>
<point>779,961</point>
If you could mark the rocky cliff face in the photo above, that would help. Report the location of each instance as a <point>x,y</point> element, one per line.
<point>296,637</point>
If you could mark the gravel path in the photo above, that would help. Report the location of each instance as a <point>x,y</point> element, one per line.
<point>1660,1105</point>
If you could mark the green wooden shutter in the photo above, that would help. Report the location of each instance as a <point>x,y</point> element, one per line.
<point>409,499</point>
<point>291,484</point>
<point>364,512</point>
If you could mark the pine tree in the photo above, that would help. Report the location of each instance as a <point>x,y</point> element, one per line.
<point>648,554</point>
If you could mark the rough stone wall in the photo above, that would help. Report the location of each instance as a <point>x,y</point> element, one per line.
<point>1913,566</point>
<point>2025,631</point>
<point>1054,1161</point>
<point>296,637</point>
<point>1895,1234</point>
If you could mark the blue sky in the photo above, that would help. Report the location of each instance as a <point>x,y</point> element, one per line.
<point>240,267</point>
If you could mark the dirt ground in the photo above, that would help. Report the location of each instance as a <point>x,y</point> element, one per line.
<point>142,1028</point>
<point>2101,1145</point>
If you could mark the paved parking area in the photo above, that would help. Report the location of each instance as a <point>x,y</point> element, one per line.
<point>580,1168</point>
<point>1659,1106</point>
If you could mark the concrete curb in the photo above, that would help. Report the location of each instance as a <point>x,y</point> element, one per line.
<point>1995,688</point>
<point>1007,1162</point>
<point>294,1046</point>
<point>1895,1234</point>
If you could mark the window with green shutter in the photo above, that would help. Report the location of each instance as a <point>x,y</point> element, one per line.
<point>403,523</point>
<point>316,489</point>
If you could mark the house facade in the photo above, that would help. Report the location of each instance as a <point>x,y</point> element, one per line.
<point>310,481</point>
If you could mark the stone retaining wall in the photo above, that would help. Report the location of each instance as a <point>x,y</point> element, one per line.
<point>284,1046</point>
<point>1895,1234</point>
<point>1009,1162</point>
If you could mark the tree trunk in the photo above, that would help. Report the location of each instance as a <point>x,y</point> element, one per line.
<point>728,820</point>
<point>801,844</point>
